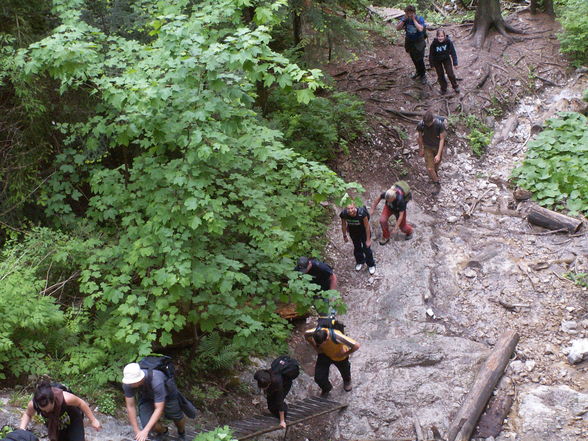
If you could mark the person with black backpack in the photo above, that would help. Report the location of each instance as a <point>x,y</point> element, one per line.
<point>332,347</point>
<point>20,435</point>
<point>276,382</point>
<point>62,411</point>
<point>152,379</point>
<point>356,221</point>
<point>414,42</point>
<point>396,198</point>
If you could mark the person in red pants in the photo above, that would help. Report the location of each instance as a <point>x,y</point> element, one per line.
<point>395,199</point>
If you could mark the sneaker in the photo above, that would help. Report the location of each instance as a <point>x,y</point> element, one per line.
<point>415,76</point>
<point>384,241</point>
<point>372,270</point>
<point>325,392</point>
<point>358,267</point>
<point>408,236</point>
<point>457,90</point>
<point>443,92</point>
<point>424,79</point>
<point>347,386</point>
<point>182,436</point>
<point>436,189</point>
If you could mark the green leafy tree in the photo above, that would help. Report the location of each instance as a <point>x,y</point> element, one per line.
<point>573,15</point>
<point>196,205</point>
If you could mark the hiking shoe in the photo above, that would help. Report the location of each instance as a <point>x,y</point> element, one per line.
<point>347,386</point>
<point>372,270</point>
<point>182,436</point>
<point>415,76</point>
<point>325,392</point>
<point>408,236</point>
<point>457,90</point>
<point>443,92</point>
<point>424,79</point>
<point>436,189</point>
<point>358,267</point>
<point>384,241</point>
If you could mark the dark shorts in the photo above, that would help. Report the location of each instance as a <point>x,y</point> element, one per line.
<point>74,431</point>
<point>172,410</point>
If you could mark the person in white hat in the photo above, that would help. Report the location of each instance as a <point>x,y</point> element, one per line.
<point>155,401</point>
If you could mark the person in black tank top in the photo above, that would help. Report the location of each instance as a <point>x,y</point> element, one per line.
<point>355,221</point>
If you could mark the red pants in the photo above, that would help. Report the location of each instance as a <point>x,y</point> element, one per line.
<point>386,213</point>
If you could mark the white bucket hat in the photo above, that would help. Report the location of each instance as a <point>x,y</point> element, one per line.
<point>132,373</point>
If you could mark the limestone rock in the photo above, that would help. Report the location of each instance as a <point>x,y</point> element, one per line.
<point>578,351</point>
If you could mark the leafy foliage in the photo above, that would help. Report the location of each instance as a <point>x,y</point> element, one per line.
<point>216,352</point>
<point>580,279</point>
<point>320,129</point>
<point>573,15</point>
<point>479,135</point>
<point>556,166</point>
<point>194,207</point>
<point>218,434</point>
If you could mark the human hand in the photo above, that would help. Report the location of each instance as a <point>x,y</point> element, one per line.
<point>437,159</point>
<point>96,425</point>
<point>142,435</point>
<point>283,424</point>
<point>421,153</point>
<point>368,242</point>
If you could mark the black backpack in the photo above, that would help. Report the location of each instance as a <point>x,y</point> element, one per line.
<point>161,363</point>
<point>286,366</point>
<point>20,435</point>
<point>332,324</point>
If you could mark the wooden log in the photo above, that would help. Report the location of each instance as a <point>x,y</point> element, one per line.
<point>553,221</point>
<point>465,421</point>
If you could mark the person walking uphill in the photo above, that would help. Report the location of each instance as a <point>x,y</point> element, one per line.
<point>431,135</point>
<point>414,42</point>
<point>333,347</point>
<point>158,396</point>
<point>356,221</point>
<point>443,58</point>
<point>396,198</point>
<point>62,411</point>
<point>276,382</point>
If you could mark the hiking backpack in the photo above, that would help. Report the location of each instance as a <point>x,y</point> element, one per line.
<point>286,366</point>
<point>403,185</point>
<point>332,324</point>
<point>20,435</point>
<point>161,363</point>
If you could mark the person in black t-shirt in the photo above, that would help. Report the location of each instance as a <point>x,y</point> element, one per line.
<point>395,204</point>
<point>356,221</point>
<point>431,136</point>
<point>322,274</point>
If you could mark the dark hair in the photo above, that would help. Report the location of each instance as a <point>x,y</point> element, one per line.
<point>428,117</point>
<point>263,378</point>
<point>440,31</point>
<point>410,8</point>
<point>43,395</point>
<point>319,336</point>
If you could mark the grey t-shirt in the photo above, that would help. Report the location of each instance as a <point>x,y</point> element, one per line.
<point>154,390</point>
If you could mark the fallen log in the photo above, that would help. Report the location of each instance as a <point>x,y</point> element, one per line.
<point>553,221</point>
<point>465,421</point>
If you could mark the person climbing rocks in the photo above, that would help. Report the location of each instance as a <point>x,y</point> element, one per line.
<point>431,136</point>
<point>322,274</point>
<point>158,396</point>
<point>396,198</point>
<point>443,58</point>
<point>332,347</point>
<point>355,221</point>
<point>276,382</point>
<point>62,411</point>
<point>414,42</point>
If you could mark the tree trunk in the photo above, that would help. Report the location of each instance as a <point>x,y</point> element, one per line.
<point>464,422</point>
<point>297,27</point>
<point>488,15</point>
<point>552,220</point>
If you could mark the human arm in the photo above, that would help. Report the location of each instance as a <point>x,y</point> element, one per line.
<point>417,23</point>
<point>27,416</point>
<point>344,229</point>
<point>368,232</point>
<point>374,205</point>
<point>333,281</point>
<point>155,416</point>
<point>310,340</point>
<point>399,221</point>
<point>441,147</point>
<point>74,400</point>
<point>420,143</point>
<point>282,419</point>
<point>453,53</point>
<point>401,24</point>
<point>132,414</point>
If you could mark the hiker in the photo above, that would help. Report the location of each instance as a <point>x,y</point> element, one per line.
<point>396,198</point>
<point>276,382</point>
<point>443,58</point>
<point>333,347</point>
<point>414,42</point>
<point>20,435</point>
<point>322,274</point>
<point>356,221</point>
<point>158,396</point>
<point>431,136</point>
<point>62,411</point>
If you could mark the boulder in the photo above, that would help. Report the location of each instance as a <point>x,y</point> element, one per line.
<point>578,351</point>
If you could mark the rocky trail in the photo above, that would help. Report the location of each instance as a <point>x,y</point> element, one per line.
<point>475,267</point>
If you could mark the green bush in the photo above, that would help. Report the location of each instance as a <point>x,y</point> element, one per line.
<point>320,129</point>
<point>573,15</point>
<point>479,136</point>
<point>556,166</point>
<point>218,434</point>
